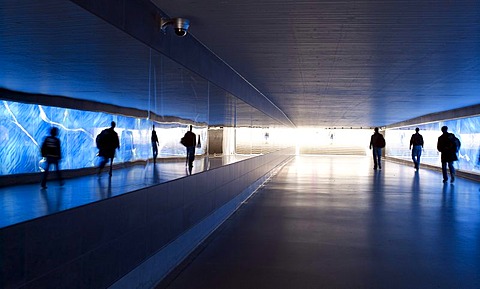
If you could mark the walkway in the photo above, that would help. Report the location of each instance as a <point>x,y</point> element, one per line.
<point>26,202</point>
<point>333,222</point>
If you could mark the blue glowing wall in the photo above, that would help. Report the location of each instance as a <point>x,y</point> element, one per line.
<point>466,129</point>
<point>24,126</point>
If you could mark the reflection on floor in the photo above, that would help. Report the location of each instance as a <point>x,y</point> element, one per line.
<point>26,202</point>
<point>334,222</point>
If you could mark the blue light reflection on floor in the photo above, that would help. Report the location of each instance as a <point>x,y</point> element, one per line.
<point>26,202</point>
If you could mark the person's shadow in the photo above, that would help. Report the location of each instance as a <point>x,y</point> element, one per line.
<point>105,191</point>
<point>54,200</point>
<point>156,177</point>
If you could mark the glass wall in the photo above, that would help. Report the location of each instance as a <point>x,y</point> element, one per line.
<point>466,129</point>
<point>24,126</point>
<point>111,74</point>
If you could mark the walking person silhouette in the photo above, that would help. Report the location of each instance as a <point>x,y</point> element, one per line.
<point>155,144</point>
<point>51,150</point>
<point>448,145</point>
<point>417,142</point>
<point>107,143</point>
<point>377,142</point>
<point>189,141</point>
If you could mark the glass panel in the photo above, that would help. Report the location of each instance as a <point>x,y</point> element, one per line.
<point>466,129</point>
<point>24,126</point>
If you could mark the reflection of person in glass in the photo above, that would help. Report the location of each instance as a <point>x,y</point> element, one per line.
<point>107,145</point>
<point>190,141</point>
<point>52,152</point>
<point>417,142</point>
<point>447,148</point>
<point>154,144</point>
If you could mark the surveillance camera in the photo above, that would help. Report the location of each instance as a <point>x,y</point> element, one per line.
<point>181,26</point>
<point>180,32</point>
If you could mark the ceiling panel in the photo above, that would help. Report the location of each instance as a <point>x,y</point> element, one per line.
<point>346,63</point>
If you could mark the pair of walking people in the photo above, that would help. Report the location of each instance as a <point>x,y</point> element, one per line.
<point>447,144</point>
<point>107,142</point>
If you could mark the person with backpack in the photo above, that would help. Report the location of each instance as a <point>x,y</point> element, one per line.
<point>107,143</point>
<point>417,142</point>
<point>377,142</point>
<point>52,152</point>
<point>448,145</point>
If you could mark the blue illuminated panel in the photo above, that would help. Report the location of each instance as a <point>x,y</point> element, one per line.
<point>466,129</point>
<point>24,126</point>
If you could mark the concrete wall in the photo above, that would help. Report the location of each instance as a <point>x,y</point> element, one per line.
<point>129,241</point>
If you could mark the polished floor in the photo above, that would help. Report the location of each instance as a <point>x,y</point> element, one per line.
<point>334,222</point>
<point>26,202</point>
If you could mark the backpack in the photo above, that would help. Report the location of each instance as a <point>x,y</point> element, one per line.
<point>50,147</point>
<point>381,141</point>
<point>454,143</point>
<point>102,139</point>
<point>183,141</point>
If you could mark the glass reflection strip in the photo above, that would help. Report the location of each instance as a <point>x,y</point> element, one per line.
<point>466,129</point>
<point>23,128</point>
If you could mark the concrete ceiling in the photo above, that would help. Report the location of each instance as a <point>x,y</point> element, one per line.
<point>348,62</point>
<point>322,63</point>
